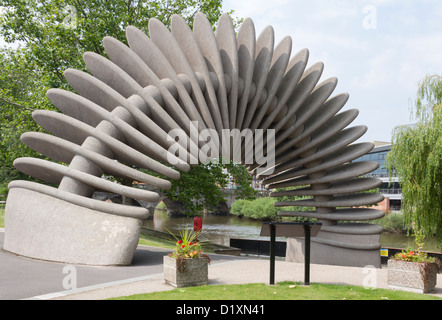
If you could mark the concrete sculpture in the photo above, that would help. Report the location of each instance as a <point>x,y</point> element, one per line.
<point>194,80</point>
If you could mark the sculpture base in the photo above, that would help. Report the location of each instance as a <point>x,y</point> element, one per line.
<point>350,249</point>
<point>42,227</point>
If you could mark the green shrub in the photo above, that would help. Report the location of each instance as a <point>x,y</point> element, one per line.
<point>393,222</point>
<point>238,206</point>
<point>261,209</point>
<point>264,209</point>
<point>258,209</point>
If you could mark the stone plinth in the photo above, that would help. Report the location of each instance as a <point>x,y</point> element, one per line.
<point>343,247</point>
<point>42,227</point>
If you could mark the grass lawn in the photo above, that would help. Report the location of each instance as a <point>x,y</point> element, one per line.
<point>281,291</point>
<point>2,217</point>
<point>156,242</point>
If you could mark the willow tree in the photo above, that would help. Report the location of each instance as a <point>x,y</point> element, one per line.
<point>416,158</point>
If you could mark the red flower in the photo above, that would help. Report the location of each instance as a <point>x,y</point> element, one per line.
<point>190,244</point>
<point>183,246</point>
<point>180,242</point>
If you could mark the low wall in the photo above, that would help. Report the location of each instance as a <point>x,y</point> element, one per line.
<point>258,247</point>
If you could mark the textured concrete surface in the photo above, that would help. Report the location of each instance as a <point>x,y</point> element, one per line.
<point>64,232</point>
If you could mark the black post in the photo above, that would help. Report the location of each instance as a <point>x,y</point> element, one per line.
<point>272,253</point>
<point>307,255</point>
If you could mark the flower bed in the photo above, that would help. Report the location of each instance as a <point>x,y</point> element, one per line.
<point>413,271</point>
<point>187,265</point>
<point>418,277</point>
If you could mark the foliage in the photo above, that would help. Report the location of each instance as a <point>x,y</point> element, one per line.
<point>416,255</point>
<point>20,93</point>
<point>393,222</point>
<point>258,209</point>
<point>187,247</point>
<point>58,32</point>
<point>262,209</point>
<point>202,186</point>
<point>416,157</point>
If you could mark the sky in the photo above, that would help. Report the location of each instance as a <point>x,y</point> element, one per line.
<point>378,49</point>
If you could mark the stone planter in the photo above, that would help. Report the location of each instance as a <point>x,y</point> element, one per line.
<point>186,272</point>
<point>412,276</point>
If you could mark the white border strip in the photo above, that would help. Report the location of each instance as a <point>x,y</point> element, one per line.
<point>91,288</point>
<point>110,284</point>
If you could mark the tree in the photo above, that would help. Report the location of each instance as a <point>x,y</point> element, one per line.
<point>53,35</point>
<point>416,158</point>
<point>56,33</point>
<point>21,92</point>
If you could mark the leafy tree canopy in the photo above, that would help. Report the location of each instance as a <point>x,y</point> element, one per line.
<point>416,157</point>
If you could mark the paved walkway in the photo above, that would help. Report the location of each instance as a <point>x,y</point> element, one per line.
<point>22,278</point>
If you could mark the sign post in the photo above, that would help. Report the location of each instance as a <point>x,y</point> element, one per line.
<point>292,230</point>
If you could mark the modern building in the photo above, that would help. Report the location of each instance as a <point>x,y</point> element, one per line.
<point>390,188</point>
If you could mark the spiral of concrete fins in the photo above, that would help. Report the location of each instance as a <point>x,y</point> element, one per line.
<point>122,113</point>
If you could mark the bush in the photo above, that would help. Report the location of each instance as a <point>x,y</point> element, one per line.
<point>261,209</point>
<point>393,222</point>
<point>264,209</point>
<point>237,207</point>
<point>258,209</point>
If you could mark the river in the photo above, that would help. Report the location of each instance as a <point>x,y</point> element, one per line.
<point>219,229</point>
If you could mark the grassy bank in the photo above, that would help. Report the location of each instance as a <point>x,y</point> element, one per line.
<point>282,291</point>
<point>2,217</point>
<point>156,242</point>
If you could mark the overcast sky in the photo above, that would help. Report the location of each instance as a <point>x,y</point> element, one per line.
<point>378,49</point>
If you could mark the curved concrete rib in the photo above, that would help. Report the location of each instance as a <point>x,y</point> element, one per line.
<point>106,207</point>
<point>341,214</point>
<point>205,84</point>
<point>64,151</point>
<point>53,173</point>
